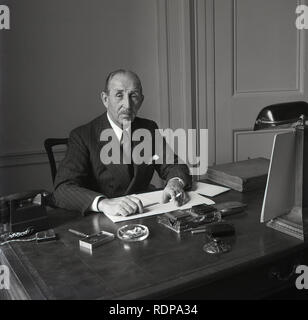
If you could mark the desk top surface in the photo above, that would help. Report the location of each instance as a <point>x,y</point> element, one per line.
<point>164,262</point>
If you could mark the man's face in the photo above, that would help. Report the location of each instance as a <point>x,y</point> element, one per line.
<point>123,99</point>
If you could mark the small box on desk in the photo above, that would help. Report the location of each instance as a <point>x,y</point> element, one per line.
<point>184,220</point>
<point>24,210</point>
<point>247,175</point>
<point>96,240</point>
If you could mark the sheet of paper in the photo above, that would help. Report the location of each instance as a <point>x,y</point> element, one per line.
<point>155,197</point>
<point>209,190</point>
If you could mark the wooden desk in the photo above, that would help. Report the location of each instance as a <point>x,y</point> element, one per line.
<point>165,265</point>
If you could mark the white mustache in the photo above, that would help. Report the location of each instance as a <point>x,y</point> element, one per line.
<point>126,113</point>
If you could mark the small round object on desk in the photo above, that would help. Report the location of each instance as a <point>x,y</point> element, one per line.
<point>217,246</point>
<point>133,232</point>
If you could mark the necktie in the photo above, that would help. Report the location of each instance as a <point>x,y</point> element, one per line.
<point>126,147</point>
<point>126,152</point>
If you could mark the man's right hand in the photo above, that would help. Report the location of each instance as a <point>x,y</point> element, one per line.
<point>123,206</point>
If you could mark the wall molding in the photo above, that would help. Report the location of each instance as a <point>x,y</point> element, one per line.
<point>299,63</point>
<point>163,63</point>
<point>174,60</point>
<point>27,158</point>
<point>186,55</point>
<point>203,70</point>
<point>186,59</point>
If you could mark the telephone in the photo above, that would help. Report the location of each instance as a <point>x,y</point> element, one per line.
<point>24,210</point>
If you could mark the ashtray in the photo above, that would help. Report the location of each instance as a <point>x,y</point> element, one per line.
<point>133,232</point>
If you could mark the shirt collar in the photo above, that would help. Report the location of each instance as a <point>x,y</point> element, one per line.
<point>117,130</point>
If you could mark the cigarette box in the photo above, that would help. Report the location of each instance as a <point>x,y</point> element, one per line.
<point>96,240</point>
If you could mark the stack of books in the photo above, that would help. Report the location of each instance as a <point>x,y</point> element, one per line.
<point>242,176</point>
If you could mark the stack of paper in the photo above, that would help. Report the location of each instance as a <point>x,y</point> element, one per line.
<point>209,190</point>
<point>156,197</point>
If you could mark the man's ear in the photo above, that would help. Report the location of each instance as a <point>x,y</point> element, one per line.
<point>104,98</point>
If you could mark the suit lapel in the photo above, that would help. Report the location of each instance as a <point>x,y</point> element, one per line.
<point>117,170</point>
<point>139,169</point>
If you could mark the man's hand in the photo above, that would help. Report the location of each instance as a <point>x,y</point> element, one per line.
<point>124,206</point>
<point>174,190</point>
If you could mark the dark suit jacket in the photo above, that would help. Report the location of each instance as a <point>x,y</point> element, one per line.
<point>81,176</point>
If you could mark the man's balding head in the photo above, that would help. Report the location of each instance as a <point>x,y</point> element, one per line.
<point>112,74</point>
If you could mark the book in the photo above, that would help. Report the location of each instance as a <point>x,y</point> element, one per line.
<point>242,176</point>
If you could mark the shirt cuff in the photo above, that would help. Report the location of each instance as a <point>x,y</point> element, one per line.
<point>95,203</point>
<point>179,179</point>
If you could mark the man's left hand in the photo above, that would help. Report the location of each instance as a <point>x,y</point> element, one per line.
<point>174,190</point>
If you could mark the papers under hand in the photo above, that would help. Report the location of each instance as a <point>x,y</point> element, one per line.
<point>150,205</point>
<point>149,199</point>
<point>209,190</point>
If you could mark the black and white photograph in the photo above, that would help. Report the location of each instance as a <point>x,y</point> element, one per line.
<point>153,153</point>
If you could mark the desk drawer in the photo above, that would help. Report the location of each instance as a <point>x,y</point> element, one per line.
<point>20,279</point>
<point>261,281</point>
<point>15,291</point>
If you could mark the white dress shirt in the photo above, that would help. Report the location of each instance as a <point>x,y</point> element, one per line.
<point>117,130</point>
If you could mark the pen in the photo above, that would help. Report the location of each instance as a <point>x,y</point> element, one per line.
<point>150,205</point>
<point>78,233</point>
<point>202,227</point>
<point>176,196</point>
<point>198,231</point>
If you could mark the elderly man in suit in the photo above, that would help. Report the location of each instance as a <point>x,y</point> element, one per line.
<point>85,183</point>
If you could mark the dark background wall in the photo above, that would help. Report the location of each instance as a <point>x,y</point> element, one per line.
<point>55,60</point>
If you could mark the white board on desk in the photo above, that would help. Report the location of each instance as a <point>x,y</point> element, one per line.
<point>156,196</point>
<point>279,192</point>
